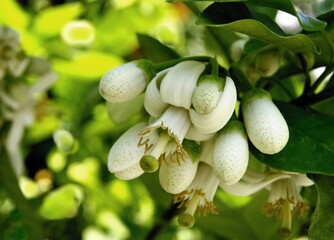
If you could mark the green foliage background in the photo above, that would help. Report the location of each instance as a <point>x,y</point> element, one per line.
<point>94,204</point>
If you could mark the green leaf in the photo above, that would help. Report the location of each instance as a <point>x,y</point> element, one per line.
<point>155,50</point>
<point>12,14</point>
<point>50,21</point>
<point>322,222</point>
<point>307,23</point>
<point>310,148</point>
<point>243,23</point>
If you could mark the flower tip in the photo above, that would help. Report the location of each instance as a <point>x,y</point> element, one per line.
<point>186,220</point>
<point>149,164</point>
<point>284,232</point>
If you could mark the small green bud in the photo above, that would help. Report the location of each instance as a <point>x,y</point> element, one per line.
<point>64,140</point>
<point>267,63</point>
<point>186,220</point>
<point>149,164</point>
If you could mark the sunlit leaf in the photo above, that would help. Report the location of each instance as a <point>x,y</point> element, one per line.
<point>50,21</point>
<point>13,15</point>
<point>310,147</point>
<point>210,17</point>
<point>87,66</point>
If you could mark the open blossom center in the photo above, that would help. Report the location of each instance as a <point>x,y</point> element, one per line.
<point>284,200</point>
<point>200,193</point>
<point>174,124</point>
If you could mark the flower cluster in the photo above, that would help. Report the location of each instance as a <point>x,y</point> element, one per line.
<point>193,135</point>
<point>18,97</point>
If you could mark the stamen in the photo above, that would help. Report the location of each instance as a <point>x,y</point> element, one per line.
<point>149,163</point>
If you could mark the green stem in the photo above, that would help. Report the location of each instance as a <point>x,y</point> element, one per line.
<point>316,98</point>
<point>241,81</point>
<point>9,183</point>
<point>161,66</point>
<point>215,66</point>
<point>307,84</point>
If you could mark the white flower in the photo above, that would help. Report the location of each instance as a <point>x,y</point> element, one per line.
<point>265,125</point>
<point>198,196</point>
<point>126,81</point>
<point>125,154</point>
<point>284,196</point>
<point>231,153</point>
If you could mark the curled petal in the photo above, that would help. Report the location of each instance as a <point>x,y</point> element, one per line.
<point>176,176</point>
<point>302,180</point>
<point>126,152</point>
<point>130,173</point>
<point>153,102</point>
<point>215,120</point>
<point>178,85</point>
<point>195,135</point>
<point>244,189</point>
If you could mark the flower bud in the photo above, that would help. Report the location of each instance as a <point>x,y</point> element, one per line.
<point>208,93</point>
<point>267,63</point>
<point>78,33</point>
<point>237,49</point>
<point>64,140</point>
<point>264,123</point>
<point>231,154</point>
<point>126,81</point>
<point>175,176</point>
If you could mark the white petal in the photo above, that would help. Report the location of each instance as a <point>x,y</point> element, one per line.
<point>178,85</point>
<point>302,180</point>
<point>153,102</point>
<point>230,157</point>
<point>265,126</point>
<point>245,189</point>
<point>130,173</point>
<point>195,135</point>
<point>215,120</point>
<point>176,177</point>
<point>44,83</point>
<point>122,83</point>
<point>207,151</point>
<point>125,152</point>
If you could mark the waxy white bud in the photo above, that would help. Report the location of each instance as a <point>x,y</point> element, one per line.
<point>126,81</point>
<point>176,176</point>
<point>208,93</point>
<point>231,153</point>
<point>264,123</point>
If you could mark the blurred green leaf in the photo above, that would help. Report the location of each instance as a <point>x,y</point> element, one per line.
<point>243,24</point>
<point>13,15</point>
<point>49,22</point>
<point>62,202</point>
<point>87,66</point>
<point>155,50</point>
<point>310,147</point>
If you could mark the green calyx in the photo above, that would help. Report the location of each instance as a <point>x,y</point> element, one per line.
<point>234,126</point>
<point>192,148</point>
<point>147,67</point>
<point>218,81</point>
<point>253,94</point>
<point>186,220</point>
<point>149,164</point>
